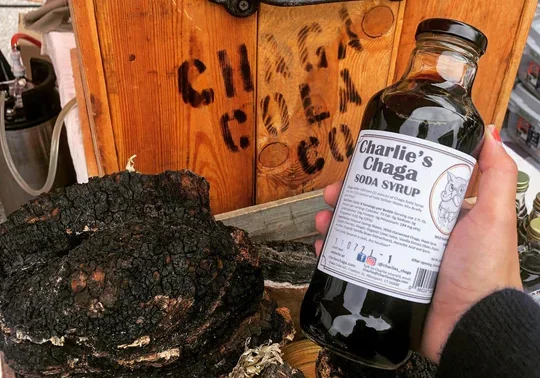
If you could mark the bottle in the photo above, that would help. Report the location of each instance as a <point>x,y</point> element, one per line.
<point>535,212</point>
<point>530,262</point>
<point>419,140</point>
<point>521,209</point>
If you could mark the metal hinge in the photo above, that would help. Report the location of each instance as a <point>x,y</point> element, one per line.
<point>245,8</point>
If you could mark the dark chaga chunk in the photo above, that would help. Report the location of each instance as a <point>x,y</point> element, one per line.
<point>53,223</point>
<point>281,371</point>
<point>287,270</point>
<point>130,276</point>
<point>332,366</point>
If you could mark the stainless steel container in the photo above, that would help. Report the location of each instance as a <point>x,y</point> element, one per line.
<point>29,130</point>
<point>30,149</point>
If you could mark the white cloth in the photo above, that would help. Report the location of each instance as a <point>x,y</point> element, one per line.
<point>57,46</point>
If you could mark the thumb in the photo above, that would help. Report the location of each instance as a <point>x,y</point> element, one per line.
<point>497,186</point>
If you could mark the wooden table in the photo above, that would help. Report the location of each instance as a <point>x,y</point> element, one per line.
<point>265,107</point>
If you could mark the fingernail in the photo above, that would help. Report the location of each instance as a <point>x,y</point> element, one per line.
<point>494,131</point>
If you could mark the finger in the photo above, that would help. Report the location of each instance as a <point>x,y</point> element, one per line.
<point>322,221</point>
<point>331,193</point>
<point>318,246</point>
<point>497,186</point>
<point>466,206</point>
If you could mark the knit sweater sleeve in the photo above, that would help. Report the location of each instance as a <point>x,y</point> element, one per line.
<point>498,337</point>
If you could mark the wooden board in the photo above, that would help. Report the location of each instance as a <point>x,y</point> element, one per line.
<point>302,355</point>
<point>291,218</point>
<point>88,140</point>
<point>94,83</point>
<point>524,24</point>
<point>282,134</point>
<point>505,23</point>
<point>181,95</point>
<point>315,77</point>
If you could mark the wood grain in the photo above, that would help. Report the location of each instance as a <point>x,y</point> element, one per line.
<point>248,146</point>
<point>302,355</point>
<point>290,218</point>
<point>167,65</point>
<point>500,21</point>
<point>318,67</point>
<point>520,40</point>
<point>94,83</point>
<point>89,145</point>
<point>504,23</point>
<point>396,43</point>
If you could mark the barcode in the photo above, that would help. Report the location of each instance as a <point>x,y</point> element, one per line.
<point>425,279</point>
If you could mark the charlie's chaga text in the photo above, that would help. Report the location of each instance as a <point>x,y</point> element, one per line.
<point>398,172</point>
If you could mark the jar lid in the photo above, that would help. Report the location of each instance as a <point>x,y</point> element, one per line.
<point>534,229</point>
<point>530,261</point>
<point>522,182</point>
<point>536,203</point>
<point>455,28</point>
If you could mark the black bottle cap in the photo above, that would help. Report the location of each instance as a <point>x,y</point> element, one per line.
<point>455,28</point>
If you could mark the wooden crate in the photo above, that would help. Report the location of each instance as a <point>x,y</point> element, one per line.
<point>290,218</point>
<point>265,107</point>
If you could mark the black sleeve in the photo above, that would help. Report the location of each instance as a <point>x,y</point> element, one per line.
<point>498,337</point>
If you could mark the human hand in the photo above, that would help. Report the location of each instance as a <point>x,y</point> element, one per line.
<point>481,256</point>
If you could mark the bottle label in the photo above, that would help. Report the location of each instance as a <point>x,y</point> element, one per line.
<point>400,201</point>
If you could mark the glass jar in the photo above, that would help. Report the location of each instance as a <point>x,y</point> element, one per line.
<point>530,262</point>
<point>535,212</point>
<point>370,294</point>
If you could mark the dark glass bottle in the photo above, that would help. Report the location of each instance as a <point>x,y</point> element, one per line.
<point>530,261</point>
<point>432,101</point>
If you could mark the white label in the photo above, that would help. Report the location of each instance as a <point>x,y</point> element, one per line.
<point>400,201</point>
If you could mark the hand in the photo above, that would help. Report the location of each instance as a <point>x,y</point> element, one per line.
<point>481,256</point>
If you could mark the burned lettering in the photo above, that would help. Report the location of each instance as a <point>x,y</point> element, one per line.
<point>240,117</point>
<point>354,41</point>
<point>306,151</point>
<point>302,45</point>
<point>274,60</point>
<point>334,145</point>
<point>245,68</point>
<point>268,120</point>
<point>349,93</point>
<point>190,95</point>
<point>227,72</point>
<point>309,108</point>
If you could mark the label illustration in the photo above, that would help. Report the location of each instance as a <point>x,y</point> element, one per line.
<point>399,204</point>
<point>448,194</point>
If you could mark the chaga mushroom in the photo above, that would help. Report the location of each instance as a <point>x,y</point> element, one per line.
<point>332,366</point>
<point>130,276</point>
<point>280,371</point>
<point>56,222</point>
<point>287,270</point>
